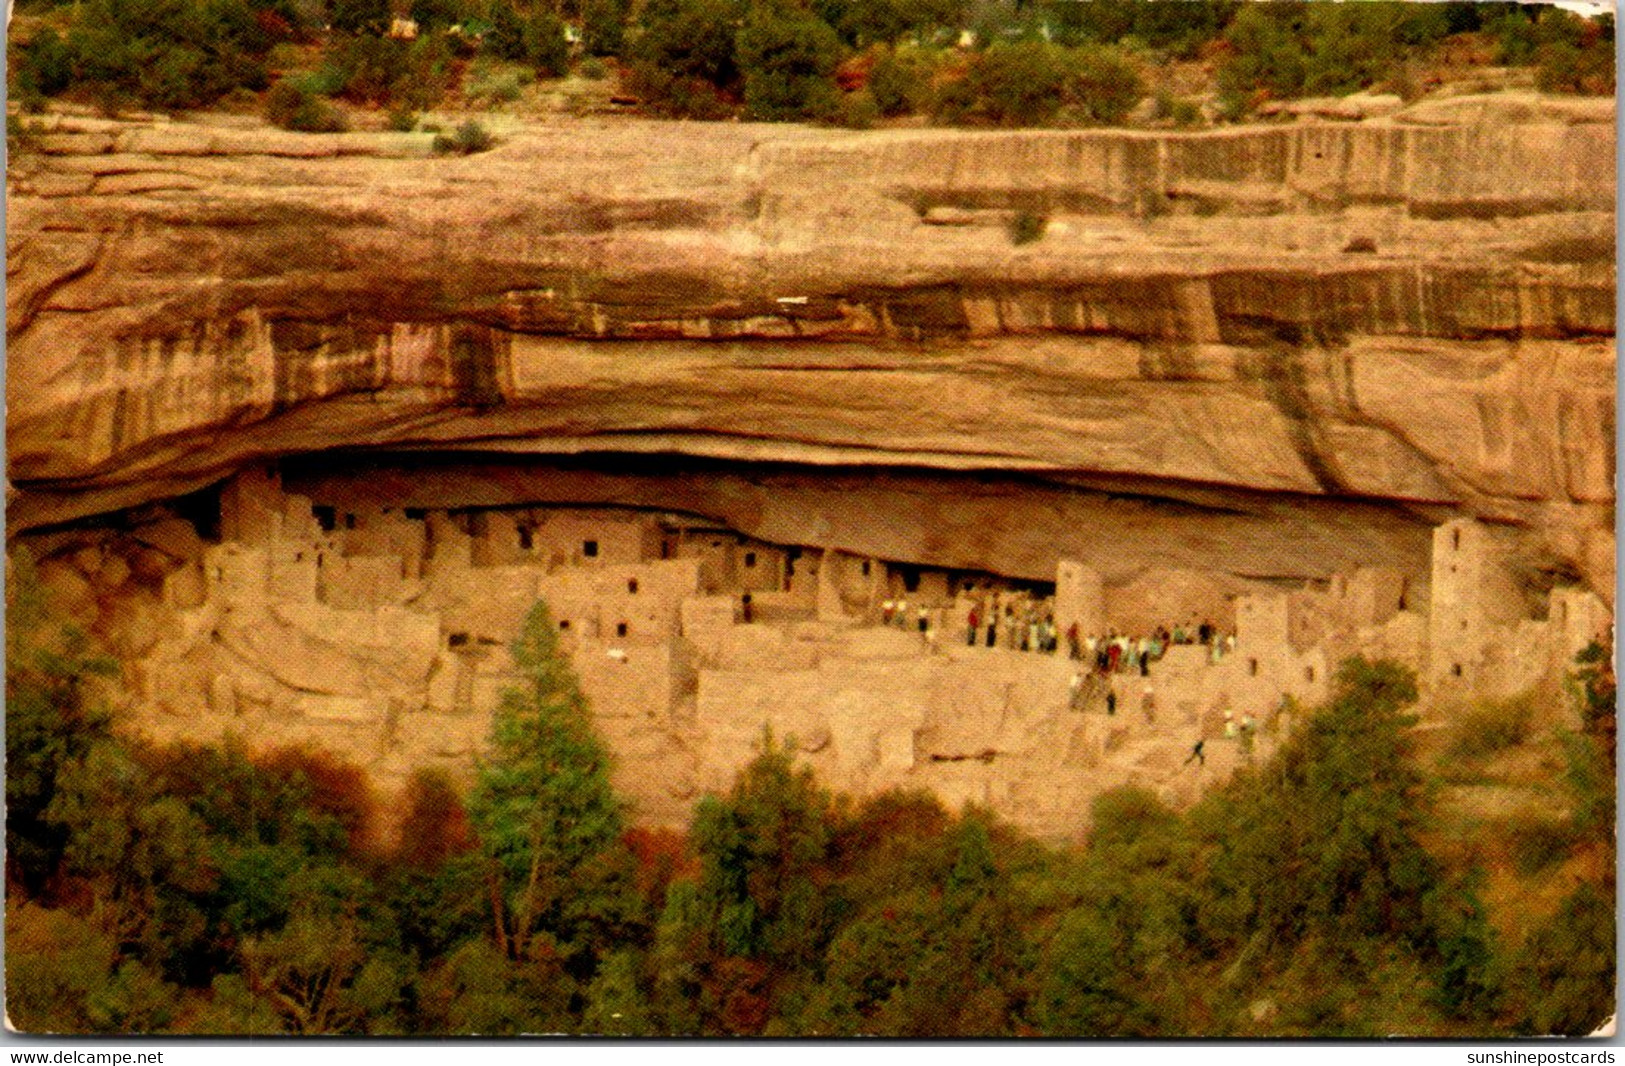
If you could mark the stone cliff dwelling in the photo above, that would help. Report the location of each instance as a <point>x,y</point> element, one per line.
<point>302,425</point>
<point>382,633</point>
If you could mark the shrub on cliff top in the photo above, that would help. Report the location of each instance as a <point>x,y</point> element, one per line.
<point>1033,83</point>
<point>168,54</point>
<point>289,107</point>
<point>683,61</point>
<point>41,67</point>
<point>1008,85</point>
<point>1180,28</point>
<point>866,22</point>
<point>603,26</point>
<point>536,40</point>
<point>900,81</point>
<point>788,60</point>
<point>1288,50</point>
<point>471,137</point>
<point>379,70</point>
<point>1569,67</point>
<point>1102,85</point>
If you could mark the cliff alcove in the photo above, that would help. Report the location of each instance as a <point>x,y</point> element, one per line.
<point>1236,367</point>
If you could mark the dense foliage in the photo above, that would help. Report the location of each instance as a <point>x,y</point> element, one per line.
<point>156,53</point>
<point>1032,83</point>
<point>993,62</point>
<point>209,890</point>
<point>1296,49</point>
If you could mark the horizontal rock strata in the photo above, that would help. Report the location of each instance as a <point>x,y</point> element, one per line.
<point>1350,329</point>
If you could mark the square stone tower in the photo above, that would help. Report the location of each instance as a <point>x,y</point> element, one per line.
<point>252,506</point>
<point>1473,595</point>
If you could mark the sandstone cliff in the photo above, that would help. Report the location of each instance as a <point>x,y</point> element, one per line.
<point>1273,351</point>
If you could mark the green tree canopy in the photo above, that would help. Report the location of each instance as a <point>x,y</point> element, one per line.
<point>1327,834</point>
<point>788,57</point>
<point>52,722</point>
<point>543,807</point>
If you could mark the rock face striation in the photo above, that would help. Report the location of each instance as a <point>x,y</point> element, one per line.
<point>1341,331</point>
<point>1266,355</point>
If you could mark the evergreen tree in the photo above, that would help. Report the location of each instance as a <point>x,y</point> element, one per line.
<point>52,723</point>
<point>757,915</point>
<point>788,58</point>
<point>616,1005</point>
<point>1326,838</point>
<point>543,807</point>
<point>759,849</point>
<point>1568,966</point>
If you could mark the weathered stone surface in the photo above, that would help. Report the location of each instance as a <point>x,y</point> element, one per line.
<point>1188,337</point>
<point>971,520</point>
<point>1509,108</point>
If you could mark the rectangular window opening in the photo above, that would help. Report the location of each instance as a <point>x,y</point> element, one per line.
<point>589,548</point>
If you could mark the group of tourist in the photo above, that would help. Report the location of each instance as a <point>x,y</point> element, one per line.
<point>1107,654</point>
<point>1016,622</point>
<point>1013,621</point>
<point>1019,627</point>
<point>1121,653</point>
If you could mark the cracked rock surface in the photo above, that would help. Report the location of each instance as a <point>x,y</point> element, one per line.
<point>1316,338</point>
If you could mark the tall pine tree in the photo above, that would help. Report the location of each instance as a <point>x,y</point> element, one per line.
<point>546,815</point>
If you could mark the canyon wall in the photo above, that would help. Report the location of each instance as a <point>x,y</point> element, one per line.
<point>1366,326</point>
<point>1205,368</point>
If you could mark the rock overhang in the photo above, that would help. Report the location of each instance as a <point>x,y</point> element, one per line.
<point>1192,319</point>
